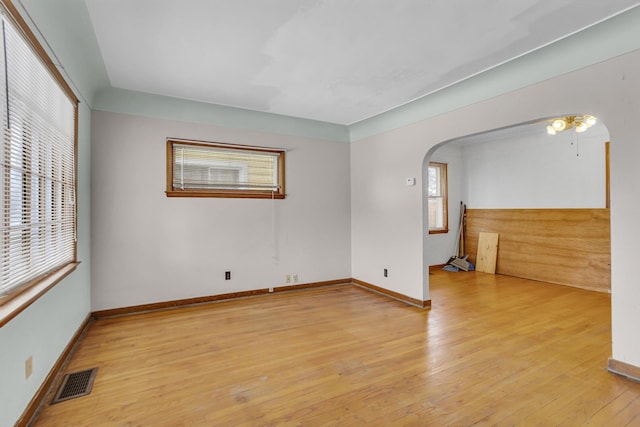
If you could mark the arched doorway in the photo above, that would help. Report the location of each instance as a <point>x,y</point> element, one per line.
<point>559,180</point>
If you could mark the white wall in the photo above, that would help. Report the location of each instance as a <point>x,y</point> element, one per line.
<point>150,248</point>
<point>442,245</point>
<point>512,171</point>
<point>518,168</point>
<point>387,218</point>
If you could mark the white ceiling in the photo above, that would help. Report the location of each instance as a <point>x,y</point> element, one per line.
<point>338,61</point>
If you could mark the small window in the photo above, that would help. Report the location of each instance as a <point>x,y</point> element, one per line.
<point>206,169</point>
<point>437,187</point>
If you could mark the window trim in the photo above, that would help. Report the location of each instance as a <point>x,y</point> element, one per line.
<point>21,25</point>
<point>445,198</point>
<point>246,194</point>
<point>16,301</point>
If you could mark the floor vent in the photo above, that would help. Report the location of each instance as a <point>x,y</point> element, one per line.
<point>74,385</point>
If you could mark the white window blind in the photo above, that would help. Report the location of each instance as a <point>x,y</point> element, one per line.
<point>437,189</point>
<point>219,169</point>
<point>37,167</point>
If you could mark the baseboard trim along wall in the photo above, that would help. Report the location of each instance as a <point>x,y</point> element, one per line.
<point>391,294</point>
<point>212,298</point>
<point>38,399</point>
<point>436,267</point>
<point>165,305</point>
<point>628,371</point>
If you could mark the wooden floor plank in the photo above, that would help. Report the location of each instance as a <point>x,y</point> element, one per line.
<point>492,350</point>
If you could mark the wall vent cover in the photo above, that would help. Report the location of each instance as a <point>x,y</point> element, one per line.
<point>75,384</point>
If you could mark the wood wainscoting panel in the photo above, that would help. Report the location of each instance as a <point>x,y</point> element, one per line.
<point>564,246</point>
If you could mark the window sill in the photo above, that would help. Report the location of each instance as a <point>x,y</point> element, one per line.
<point>443,231</point>
<point>18,303</point>
<point>228,194</point>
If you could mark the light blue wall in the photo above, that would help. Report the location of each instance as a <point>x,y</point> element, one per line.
<point>45,328</point>
<point>67,23</point>
<point>164,107</point>
<point>70,42</point>
<point>608,39</point>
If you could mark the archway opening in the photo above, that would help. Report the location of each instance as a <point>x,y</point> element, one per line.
<point>537,190</point>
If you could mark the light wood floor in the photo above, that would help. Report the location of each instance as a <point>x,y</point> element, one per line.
<point>492,350</point>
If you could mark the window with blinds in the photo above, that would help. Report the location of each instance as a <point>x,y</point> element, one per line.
<point>202,169</point>
<point>37,166</point>
<point>437,189</point>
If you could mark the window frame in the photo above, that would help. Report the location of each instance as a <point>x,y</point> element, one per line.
<point>22,296</point>
<point>222,193</point>
<point>444,189</point>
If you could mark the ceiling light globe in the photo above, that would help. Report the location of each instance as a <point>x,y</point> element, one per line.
<point>559,124</point>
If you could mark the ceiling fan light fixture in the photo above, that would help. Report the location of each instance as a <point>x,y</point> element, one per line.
<point>579,123</point>
<point>582,127</point>
<point>559,124</point>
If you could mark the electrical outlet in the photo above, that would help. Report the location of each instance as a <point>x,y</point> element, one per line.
<point>295,278</point>
<point>28,367</point>
<point>287,278</point>
<point>270,289</point>
<point>227,275</point>
<point>386,273</point>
